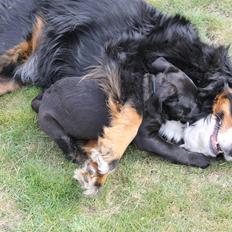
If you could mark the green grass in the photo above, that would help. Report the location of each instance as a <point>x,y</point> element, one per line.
<point>37,192</point>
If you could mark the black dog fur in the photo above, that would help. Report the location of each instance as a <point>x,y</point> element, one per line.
<point>80,34</point>
<point>76,33</point>
<point>77,109</point>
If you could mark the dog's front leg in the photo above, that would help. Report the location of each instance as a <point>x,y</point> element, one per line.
<point>156,145</point>
<point>125,122</point>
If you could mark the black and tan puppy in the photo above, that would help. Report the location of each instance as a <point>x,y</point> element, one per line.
<point>76,108</point>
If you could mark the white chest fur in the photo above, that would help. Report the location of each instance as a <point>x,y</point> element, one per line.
<point>196,137</point>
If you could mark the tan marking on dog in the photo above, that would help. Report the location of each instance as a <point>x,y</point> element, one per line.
<point>87,148</point>
<point>101,179</point>
<point>124,127</point>
<point>8,86</point>
<point>23,50</point>
<point>222,105</point>
<point>36,34</point>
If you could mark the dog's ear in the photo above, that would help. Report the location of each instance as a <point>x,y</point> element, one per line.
<point>166,91</point>
<point>162,65</point>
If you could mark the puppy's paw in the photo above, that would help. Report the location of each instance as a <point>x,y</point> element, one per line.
<point>88,179</point>
<point>199,160</point>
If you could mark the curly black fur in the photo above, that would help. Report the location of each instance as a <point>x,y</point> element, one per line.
<point>128,35</point>
<point>79,33</point>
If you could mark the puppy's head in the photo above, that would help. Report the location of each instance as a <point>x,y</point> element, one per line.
<point>176,92</point>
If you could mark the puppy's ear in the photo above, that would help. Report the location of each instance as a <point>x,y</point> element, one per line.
<point>166,91</point>
<point>162,65</point>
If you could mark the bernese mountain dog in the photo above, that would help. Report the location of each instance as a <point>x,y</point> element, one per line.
<point>114,42</point>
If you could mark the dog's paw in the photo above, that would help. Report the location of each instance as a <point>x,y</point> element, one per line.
<point>94,173</point>
<point>88,179</point>
<point>199,160</point>
<point>102,165</point>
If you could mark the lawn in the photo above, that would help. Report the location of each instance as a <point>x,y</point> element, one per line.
<point>37,192</point>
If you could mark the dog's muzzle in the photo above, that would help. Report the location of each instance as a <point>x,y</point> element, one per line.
<point>214,144</point>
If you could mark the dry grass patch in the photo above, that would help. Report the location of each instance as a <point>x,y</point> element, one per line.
<point>10,215</point>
